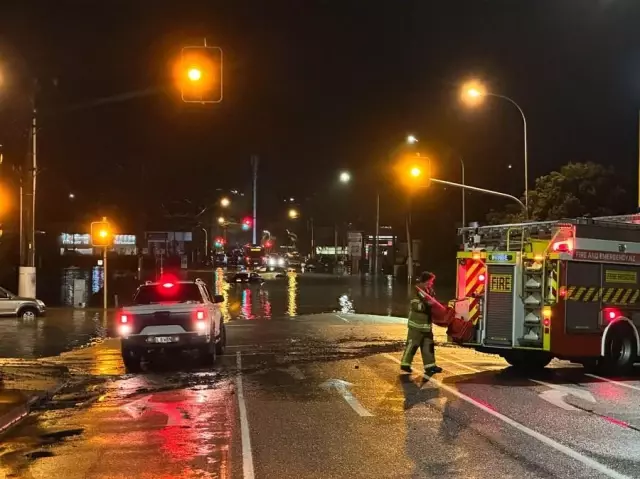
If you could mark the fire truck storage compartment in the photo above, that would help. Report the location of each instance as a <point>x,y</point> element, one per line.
<point>582,314</point>
<point>499,305</point>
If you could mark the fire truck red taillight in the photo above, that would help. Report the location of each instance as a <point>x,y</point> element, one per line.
<point>124,318</point>
<point>610,314</point>
<point>199,315</point>
<point>565,246</point>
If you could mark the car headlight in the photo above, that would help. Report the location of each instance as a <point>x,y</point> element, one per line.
<point>281,262</point>
<point>272,262</point>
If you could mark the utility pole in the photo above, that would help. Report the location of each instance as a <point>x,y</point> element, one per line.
<point>313,245</point>
<point>27,275</point>
<point>254,164</point>
<point>377,235</point>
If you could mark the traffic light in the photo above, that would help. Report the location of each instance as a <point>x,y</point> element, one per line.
<point>200,74</point>
<point>414,171</point>
<point>268,244</point>
<point>247,223</point>
<point>101,234</point>
<point>219,242</point>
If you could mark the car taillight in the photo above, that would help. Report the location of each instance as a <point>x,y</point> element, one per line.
<point>200,315</point>
<point>124,318</point>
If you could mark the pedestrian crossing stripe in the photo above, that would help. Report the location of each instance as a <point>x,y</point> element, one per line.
<point>594,294</point>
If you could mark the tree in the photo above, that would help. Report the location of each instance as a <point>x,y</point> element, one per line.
<point>578,189</point>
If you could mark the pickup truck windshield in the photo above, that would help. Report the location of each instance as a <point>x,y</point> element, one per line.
<point>158,293</point>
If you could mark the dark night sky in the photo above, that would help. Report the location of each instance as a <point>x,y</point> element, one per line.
<point>314,86</point>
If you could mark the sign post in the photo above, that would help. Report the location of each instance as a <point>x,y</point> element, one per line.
<point>102,236</point>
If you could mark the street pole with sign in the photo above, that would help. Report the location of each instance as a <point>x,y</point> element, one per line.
<point>102,236</point>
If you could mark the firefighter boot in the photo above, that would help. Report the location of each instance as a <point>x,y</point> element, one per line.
<point>431,370</point>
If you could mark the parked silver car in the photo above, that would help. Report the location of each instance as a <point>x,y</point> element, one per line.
<point>25,308</point>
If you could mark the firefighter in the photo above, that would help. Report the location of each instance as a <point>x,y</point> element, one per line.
<point>419,328</point>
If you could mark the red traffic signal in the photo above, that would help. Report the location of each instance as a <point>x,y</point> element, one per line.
<point>247,223</point>
<point>268,244</point>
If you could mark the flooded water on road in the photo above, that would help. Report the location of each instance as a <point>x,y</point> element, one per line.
<point>276,299</point>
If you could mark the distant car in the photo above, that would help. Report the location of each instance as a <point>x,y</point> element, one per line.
<point>169,315</point>
<point>25,308</point>
<point>245,277</point>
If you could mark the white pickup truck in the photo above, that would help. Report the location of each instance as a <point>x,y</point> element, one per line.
<point>171,315</point>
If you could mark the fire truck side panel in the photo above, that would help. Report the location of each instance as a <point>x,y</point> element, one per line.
<point>591,290</point>
<point>499,307</point>
<point>582,314</point>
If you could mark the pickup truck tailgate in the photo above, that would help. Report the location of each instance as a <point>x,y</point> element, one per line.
<point>181,315</point>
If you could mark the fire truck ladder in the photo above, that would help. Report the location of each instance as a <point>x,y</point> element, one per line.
<point>515,236</point>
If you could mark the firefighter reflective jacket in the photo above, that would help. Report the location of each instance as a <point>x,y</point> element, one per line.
<point>420,315</point>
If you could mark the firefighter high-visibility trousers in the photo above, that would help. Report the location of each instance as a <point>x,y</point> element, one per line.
<point>419,339</point>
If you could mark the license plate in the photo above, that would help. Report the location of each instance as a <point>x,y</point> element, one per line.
<point>163,339</point>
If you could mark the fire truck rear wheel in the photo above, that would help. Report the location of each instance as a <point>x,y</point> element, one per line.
<point>527,360</point>
<point>620,351</point>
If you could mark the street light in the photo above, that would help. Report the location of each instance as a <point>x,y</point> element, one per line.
<point>411,139</point>
<point>221,220</point>
<point>345,177</point>
<point>225,202</point>
<point>293,214</point>
<point>72,196</point>
<point>474,92</point>
<point>415,171</point>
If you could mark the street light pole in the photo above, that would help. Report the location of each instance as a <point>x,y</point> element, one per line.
<point>377,236</point>
<point>464,220</point>
<point>254,164</point>
<point>526,159</point>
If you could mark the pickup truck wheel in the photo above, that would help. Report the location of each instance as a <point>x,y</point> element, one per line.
<point>131,359</point>
<point>208,353</point>
<point>28,313</point>
<point>221,344</point>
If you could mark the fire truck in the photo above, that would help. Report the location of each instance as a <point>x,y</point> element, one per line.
<point>567,289</point>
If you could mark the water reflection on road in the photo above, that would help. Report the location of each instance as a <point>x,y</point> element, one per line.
<point>275,299</point>
<point>296,294</point>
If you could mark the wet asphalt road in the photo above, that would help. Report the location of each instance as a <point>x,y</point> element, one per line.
<point>321,396</point>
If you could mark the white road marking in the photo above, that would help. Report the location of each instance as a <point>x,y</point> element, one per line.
<point>587,461</point>
<point>247,453</point>
<point>617,383</point>
<point>555,395</point>
<point>343,389</point>
<point>344,319</point>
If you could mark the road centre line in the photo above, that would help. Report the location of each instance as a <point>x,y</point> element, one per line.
<point>247,454</point>
<point>587,461</point>
<point>344,319</point>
